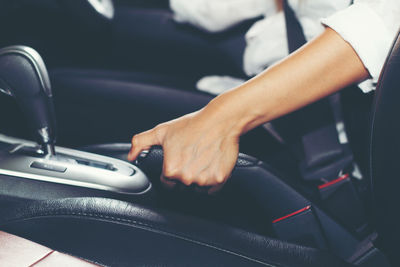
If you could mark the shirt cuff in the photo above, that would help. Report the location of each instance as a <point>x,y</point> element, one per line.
<point>366,32</point>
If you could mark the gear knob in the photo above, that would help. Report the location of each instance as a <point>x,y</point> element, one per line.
<point>23,75</point>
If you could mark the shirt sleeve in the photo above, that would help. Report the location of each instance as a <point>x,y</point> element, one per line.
<point>370,27</point>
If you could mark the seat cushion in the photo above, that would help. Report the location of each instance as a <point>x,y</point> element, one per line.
<point>118,233</point>
<point>252,199</point>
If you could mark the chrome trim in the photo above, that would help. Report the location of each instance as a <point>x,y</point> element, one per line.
<point>44,134</point>
<point>6,92</point>
<point>47,146</point>
<point>49,149</point>
<point>122,178</point>
<point>103,7</point>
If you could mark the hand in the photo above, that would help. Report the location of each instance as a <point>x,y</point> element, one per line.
<point>202,147</point>
<point>199,148</point>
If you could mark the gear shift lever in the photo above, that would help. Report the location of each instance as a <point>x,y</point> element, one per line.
<point>23,75</point>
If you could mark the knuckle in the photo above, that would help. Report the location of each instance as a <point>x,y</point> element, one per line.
<point>186,180</point>
<point>170,171</point>
<point>135,140</point>
<point>202,181</point>
<point>220,178</point>
<point>159,131</point>
<point>188,174</point>
<point>159,127</point>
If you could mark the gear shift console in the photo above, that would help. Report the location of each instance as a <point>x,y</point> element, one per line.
<point>23,75</point>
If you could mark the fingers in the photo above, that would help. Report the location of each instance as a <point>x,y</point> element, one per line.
<point>194,156</point>
<point>142,142</point>
<point>171,184</point>
<point>215,189</point>
<point>200,184</point>
<point>168,183</point>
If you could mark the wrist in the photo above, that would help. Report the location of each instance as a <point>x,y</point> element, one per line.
<point>232,111</point>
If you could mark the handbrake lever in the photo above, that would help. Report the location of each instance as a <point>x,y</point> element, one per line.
<point>151,162</point>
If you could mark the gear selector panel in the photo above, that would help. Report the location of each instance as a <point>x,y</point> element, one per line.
<point>24,159</point>
<point>49,167</point>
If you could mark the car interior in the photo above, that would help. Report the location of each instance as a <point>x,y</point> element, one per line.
<point>78,78</point>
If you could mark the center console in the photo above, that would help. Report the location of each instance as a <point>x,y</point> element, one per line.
<point>34,170</point>
<point>25,160</point>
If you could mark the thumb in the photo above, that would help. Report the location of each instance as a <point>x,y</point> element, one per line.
<point>142,142</point>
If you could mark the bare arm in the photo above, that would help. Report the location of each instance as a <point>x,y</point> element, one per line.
<point>202,147</point>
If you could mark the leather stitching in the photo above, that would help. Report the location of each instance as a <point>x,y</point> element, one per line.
<point>158,229</point>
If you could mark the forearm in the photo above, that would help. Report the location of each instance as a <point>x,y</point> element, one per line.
<point>202,147</point>
<point>320,68</point>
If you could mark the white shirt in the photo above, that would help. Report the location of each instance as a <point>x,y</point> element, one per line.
<point>218,15</point>
<point>266,40</point>
<point>370,27</point>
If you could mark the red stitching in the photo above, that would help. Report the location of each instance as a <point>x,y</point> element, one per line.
<point>341,178</point>
<point>292,214</point>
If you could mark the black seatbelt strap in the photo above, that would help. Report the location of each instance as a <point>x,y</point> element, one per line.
<point>294,31</point>
<point>324,155</point>
<point>324,158</point>
<point>320,141</point>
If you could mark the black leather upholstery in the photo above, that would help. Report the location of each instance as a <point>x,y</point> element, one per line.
<point>384,154</point>
<point>254,191</point>
<point>385,148</point>
<point>231,205</point>
<point>116,233</point>
<point>250,175</point>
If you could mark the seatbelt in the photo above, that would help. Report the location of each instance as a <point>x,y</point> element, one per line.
<point>294,33</point>
<point>326,154</point>
<point>325,159</point>
<point>321,144</point>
